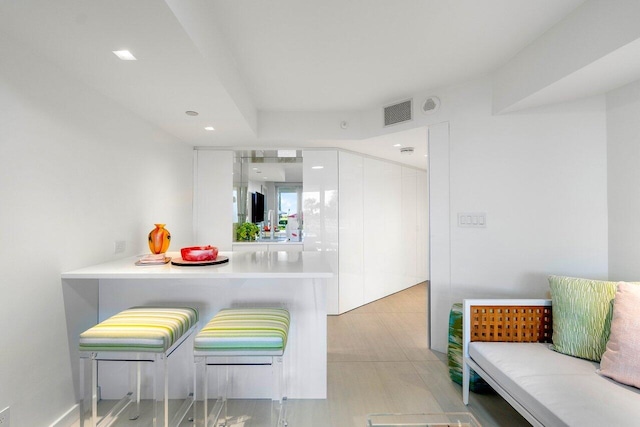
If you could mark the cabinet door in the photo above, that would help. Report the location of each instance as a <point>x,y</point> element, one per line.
<point>383,225</point>
<point>320,212</point>
<point>351,234</point>
<point>213,198</point>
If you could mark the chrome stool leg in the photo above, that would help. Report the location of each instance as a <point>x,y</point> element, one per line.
<point>236,335</point>
<point>112,340</point>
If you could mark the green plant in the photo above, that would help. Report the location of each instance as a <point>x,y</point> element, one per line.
<point>247,231</point>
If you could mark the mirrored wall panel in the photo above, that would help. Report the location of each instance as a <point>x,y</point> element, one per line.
<point>267,182</point>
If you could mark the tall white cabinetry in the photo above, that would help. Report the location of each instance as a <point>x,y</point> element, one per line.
<point>382,223</point>
<point>320,212</point>
<point>372,216</point>
<point>352,231</point>
<point>213,198</point>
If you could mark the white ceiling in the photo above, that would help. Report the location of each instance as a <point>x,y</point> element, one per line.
<point>229,59</point>
<point>358,54</point>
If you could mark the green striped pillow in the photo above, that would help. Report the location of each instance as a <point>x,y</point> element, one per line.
<point>582,311</point>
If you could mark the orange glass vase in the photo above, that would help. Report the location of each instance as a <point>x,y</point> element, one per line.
<point>159,239</point>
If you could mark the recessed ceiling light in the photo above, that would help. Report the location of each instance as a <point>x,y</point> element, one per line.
<point>255,169</point>
<point>191,113</point>
<point>397,145</point>
<point>125,55</point>
<point>209,128</point>
<point>317,167</point>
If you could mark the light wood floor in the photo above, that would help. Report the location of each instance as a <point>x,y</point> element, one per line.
<point>379,362</point>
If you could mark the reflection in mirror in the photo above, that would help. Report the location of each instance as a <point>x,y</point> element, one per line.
<point>277,175</point>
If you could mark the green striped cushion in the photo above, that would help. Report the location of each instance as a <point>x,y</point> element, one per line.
<point>582,311</point>
<point>148,329</point>
<point>244,331</point>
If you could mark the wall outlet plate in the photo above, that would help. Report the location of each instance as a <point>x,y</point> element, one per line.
<point>119,246</point>
<point>5,420</point>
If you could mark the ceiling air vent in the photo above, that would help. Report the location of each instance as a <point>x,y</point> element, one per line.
<point>398,113</point>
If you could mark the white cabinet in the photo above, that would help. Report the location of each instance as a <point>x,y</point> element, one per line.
<point>382,243</point>
<point>320,212</point>
<point>409,227</point>
<point>383,226</point>
<point>351,233</point>
<point>213,198</point>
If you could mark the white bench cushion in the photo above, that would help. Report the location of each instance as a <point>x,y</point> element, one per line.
<point>557,389</point>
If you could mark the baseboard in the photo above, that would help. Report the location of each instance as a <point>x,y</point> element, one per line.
<point>68,418</point>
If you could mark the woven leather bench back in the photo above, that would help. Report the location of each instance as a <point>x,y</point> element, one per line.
<point>511,323</point>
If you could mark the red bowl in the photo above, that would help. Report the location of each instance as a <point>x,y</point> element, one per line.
<point>199,253</point>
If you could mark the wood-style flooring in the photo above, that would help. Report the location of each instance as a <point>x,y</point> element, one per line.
<point>378,362</point>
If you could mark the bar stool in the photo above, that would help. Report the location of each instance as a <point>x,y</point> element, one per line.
<point>244,336</point>
<point>138,334</point>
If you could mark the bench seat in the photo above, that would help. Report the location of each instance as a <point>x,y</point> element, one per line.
<point>244,332</point>
<point>139,329</point>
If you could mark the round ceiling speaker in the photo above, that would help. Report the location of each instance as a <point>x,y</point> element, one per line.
<point>430,105</point>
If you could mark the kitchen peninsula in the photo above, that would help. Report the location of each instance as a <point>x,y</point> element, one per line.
<point>293,280</point>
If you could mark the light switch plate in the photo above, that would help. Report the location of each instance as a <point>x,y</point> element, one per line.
<point>472,219</point>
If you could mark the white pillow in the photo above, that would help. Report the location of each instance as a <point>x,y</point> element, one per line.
<point>621,359</point>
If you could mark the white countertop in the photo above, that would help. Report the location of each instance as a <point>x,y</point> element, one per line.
<point>241,265</point>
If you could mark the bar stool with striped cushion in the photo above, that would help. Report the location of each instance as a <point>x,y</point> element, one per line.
<point>244,336</point>
<point>138,334</point>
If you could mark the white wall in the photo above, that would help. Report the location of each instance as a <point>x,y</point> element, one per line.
<point>623,155</point>
<point>422,224</point>
<point>77,172</point>
<point>439,232</point>
<point>541,178</point>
